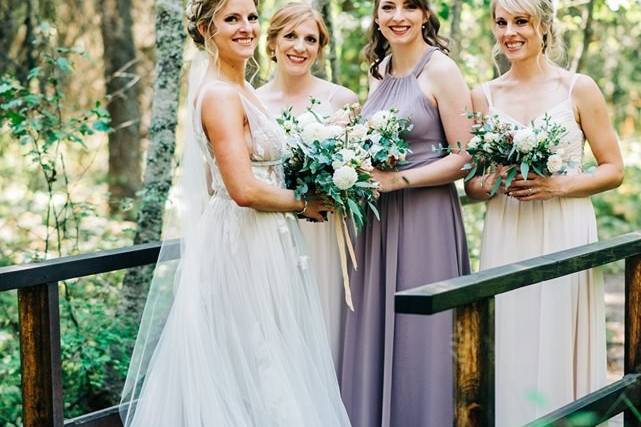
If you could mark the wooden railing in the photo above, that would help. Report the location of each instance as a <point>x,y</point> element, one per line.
<point>472,297</point>
<point>39,322</point>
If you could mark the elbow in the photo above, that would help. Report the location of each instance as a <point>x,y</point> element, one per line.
<point>620,175</point>
<point>244,196</point>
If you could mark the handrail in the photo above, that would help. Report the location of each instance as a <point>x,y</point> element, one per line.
<point>70,267</point>
<point>472,297</point>
<point>452,293</point>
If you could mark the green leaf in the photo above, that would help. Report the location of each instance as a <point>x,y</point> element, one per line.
<point>510,176</point>
<point>471,174</point>
<point>525,170</point>
<point>101,126</point>
<point>375,210</point>
<point>496,186</point>
<point>355,210</point>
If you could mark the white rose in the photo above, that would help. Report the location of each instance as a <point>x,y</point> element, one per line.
<point>555,163</point>
<point>358,132</point>
<point>379,120</point>
<point>367,165</point>
<point>345,177</point>
<point>313,132</point>
<point>487,147</point>
<point>306,119</point>
<point>525,140</point>
<point>474,142</point>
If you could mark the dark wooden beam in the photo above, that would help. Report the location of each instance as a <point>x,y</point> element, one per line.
<point>474,365</point>
<point>460,291</point>
<point>40,356</point>
<point>596,407</point>
<point>55,270</point>
<point>632,346</point>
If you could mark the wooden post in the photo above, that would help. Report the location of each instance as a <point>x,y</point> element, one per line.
<point>40,356</point>
<point>474,365</point>
<point>632,363</point>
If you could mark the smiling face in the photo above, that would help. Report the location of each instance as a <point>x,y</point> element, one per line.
<point>516,35</point>
<point>296,47</point>
<point>400,21</point>
<point>236,30</point>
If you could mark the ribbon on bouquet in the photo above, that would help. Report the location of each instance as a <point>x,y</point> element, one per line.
<point>343,240</point>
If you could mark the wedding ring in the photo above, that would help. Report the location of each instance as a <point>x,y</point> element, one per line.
<point>529,191</point>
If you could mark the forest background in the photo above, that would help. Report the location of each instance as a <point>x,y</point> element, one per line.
<point>90,116</point>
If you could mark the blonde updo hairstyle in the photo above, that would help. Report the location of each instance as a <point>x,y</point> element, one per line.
<point>290,16</point>
<point>200,16</point>
<point>542,15</point>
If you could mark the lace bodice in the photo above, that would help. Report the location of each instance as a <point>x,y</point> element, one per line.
<point>562,113</point>
<point>266,146</point>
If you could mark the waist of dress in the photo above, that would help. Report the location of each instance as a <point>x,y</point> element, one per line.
<point>266,163</point>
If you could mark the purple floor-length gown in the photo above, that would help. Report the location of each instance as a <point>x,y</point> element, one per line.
<point>397,369</point>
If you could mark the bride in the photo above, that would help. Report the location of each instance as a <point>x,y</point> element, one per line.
<point>233,334</point>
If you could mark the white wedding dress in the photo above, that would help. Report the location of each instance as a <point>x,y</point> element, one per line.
<point>244,343</point>
<point>550,337</point>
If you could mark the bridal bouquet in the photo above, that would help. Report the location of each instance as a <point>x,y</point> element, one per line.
<point>535,148</point>
<point>332,157</point>
<point>386,141</point>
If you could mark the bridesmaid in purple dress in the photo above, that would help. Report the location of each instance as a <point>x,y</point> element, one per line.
<point>397,369</point>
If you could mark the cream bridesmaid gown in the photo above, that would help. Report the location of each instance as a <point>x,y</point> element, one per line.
<point>550,337</point>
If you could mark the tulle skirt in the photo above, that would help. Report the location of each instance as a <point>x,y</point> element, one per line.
<point>245,341</point>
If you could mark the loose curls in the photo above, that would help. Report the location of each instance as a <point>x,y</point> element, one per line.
<point>542,13</point>
<point>378,47</point>
<point>290,16</point>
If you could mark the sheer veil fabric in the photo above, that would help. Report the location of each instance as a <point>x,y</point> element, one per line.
<point>232,333</point>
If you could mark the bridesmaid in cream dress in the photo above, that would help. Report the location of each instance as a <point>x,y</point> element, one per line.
<point>295,41</point>
<point>550,338</point>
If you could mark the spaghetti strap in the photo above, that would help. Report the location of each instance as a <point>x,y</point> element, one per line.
<point>418,69</point>
<point>485,87</point>
<point>574,79</point>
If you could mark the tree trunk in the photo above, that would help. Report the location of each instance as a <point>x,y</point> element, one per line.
<point>588,17</point>
<point>325,8</point>
<point>11,13</point>
<point>455,29</point>
<point>170,37</point>
<point>122,91</point>
<point>162,134</point>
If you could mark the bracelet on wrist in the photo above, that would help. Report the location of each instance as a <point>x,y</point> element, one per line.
<point>302,211</point>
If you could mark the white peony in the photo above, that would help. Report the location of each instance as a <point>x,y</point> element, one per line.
<point>313,132</point>
<point>474,142</point>
<point>345,177</point>
<point>306,119</point>
<point>332,131</point>
<point>525,140</point>
<point>555,163</point>
<point>380,119</point>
